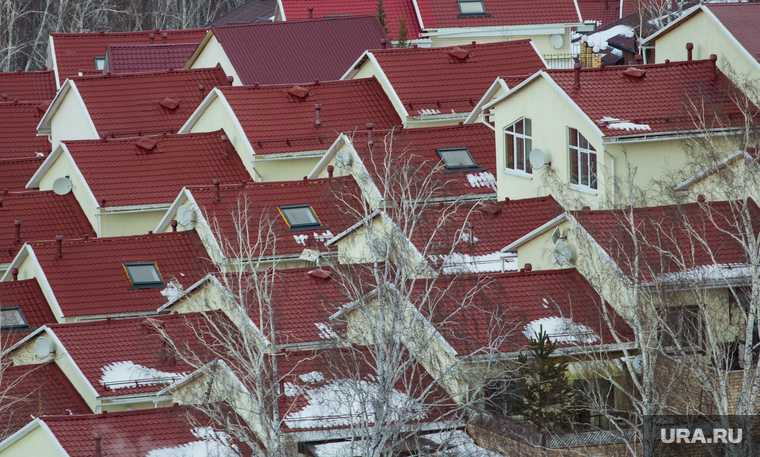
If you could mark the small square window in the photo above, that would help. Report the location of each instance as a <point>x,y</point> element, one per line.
<point>100,63</point>
<point>144,275</point>
<point>457,159</point>
<point>300,217</point>
<point>471,8</point>
<point>12,318</point>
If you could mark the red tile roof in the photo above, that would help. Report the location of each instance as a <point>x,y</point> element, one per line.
<point>129,104</point>
<point>28,297</point>
<point>669,236</point>
<point>179,256</point>
<point>504,304</point>
<point>263,200</point>
<point>138,58</point>
<point>137,176</point>
<point>34,390</point>
<point>741,21</point>
<point>43,215</point>
<point>438,14</point>
<point>18,137</point>
<point>28,85</point>
<point>96,346</point>
<point>276,121</point>
<point>296,52</point>
<point>433,79</point>
<point>125,433</point>
<point>606,11</point>
<point>249,11</point>
<point>419,145</point>
<point>16,173</point>
<point>77,51</point>
<point>605,94</point>
<point>297,10</point>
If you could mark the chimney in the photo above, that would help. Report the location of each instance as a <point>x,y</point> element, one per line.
<point>528,267</point>
<point>165,37</point>
<point>217,182</point>
<point>577,68</point>
<point>152,37</point>
<point>17,223</point>
<point>330,171</point>
<point>59,246</point>
<point>383,43</point>
<point>14,273</point>
<point>370,126</point>
<point>98,437</point>
<point>318,107</point>
<point>202,89</point>
<point>689,48</point>
<point>311,11</point>
<point>713,64</point>
<point>226,142</point>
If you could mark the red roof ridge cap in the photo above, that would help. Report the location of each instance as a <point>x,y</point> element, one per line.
<point>151,73</point>
<point>310,84</point>
<point>119,320</point>
<point>135,32</point>
<point>182,233</point>
<point>132,412</point>
<point>300,21</point>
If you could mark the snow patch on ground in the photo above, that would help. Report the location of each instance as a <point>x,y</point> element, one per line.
<point>213,444</point>
<point>122,375</point>
<point>561,330</point>
<point>483,179</point>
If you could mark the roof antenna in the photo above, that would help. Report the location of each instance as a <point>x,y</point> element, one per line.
<point>370,126</point>
<point>217,182</point>
<point>311,11</point>
<point>59,246</point>
<point>317,107</point>
<point>17,223</point>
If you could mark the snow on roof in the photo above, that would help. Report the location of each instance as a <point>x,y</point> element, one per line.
<point>598,40</point>
<point>561,330</point>
<point>211,443</point>
<point>121,375</point>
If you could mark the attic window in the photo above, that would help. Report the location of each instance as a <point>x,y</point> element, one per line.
<point>12,318</point>
<point>300,217</point>
<point>144,275</point>
<point>100,63</point>
<point>457,159</point>
<point>469,8</point>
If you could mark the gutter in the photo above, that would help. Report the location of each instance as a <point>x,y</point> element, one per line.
<point>574,350</point>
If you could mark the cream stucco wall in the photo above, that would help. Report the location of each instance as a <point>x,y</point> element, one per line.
<point>213,54</point>
<point>71,121</point>
<point>35,443</point>
<point>541,41</point>
<point>291,169</point>
<point>122,224</point>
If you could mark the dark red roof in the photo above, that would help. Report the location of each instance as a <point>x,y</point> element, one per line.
<point>296,10</point>
<point>28,297</point>
<point>296,52</point>
<point>137,176</point>
<point>34,390</point>
<point>606,11</point>
<point>263,200</point>
<point>16,173</point>
<point>129,104</point>
<point>28,85</point>
<point>604,96</point>
<point>428,79</point>
<point>438,14</point>
<point>277,121</point>
<point>249,11</point>
<point>420,144</point>
<point>502,305</point>
<point>18,137</point>
<point>77,51</point>
<point>138,58</point>
<point>90,278</point>
<point>741,21</point>
<point>43,215</point>
<point>674,238</point>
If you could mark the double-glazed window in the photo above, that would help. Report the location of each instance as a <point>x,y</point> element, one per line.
<point>300,217</point>
<point>518,144</point>
<point>457,159</point>
<point>144,275</point>
<point>471,8</point>
<point>582,160</point>
<point>12,318</point>
<point>100,63</point>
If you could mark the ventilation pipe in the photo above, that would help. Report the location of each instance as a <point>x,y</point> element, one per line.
<point>174,225</point>
<point>17,237</point>
<point>330,171</point>
<point>370,126</point>
<point>165,37</point>
<point>713,65</point>
<point>217,182</point>
<point>311,11</point>
<point>202,89</point>
<point>689,48</point>
<point>152,37</point>
<point>317,108</point>
<point>226,142</point>
<point>59,246</point>
<point>383,43</point>
<point>14,273</point>
<point>98,437</point>
<point>577,68</point>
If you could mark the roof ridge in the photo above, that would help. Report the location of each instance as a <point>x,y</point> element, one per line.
<point>21,159</point>
<point>316,19</point>
<point>443,48</point>
<point>624,67</point>
<point>134,32</point>
<point>252,185</point>
<point>336,82</point>
<point>147,74</point>
<point>107,414</point>
<point>137,137</point>
<point>183,233</point>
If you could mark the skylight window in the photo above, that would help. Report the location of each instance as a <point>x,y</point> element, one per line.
<point>457,159</point>
<point>471,8</point>
<point>300,217</point>
<point>100,63</point>
<point>12,318</point>
<point>144,275</point>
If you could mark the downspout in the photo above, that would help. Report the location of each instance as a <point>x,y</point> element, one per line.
<point>613,173</point>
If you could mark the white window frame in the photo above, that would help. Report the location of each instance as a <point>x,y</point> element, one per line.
<point>513,137</point>
<point>591,185</point>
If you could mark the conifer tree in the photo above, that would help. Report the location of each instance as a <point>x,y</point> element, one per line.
<point>403,32</point>
<point>382,16</point>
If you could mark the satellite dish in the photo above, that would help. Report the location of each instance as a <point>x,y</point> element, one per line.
<point>563,254</point>
<point>556,235</point>
<point>539,158</point>
<point>62,186</point>
<point>556,41</point>
<point>43,347</point>
<point>185,215</point>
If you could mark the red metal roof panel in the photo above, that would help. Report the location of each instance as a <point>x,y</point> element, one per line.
<point>437,14</point>
<point>16,173</point>
<point>741,21</point>
<point>138,58</point>
<point>606,11</point>
<point>18,137</point>
<point>28,85</point>
<point>249,11</point>
<point>28,297</point>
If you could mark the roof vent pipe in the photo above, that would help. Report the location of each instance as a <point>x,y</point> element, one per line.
<point>383,43</point>
<point>202,89</point>
<point>152,37</point>
<point>638,59</point>
<point>217,182</point>
<point>318,107</point>
<point>330,171</point>
<point>165,37</point>
<point>226,142</point>
<point>311,11</point>
<point>230,79</point>
<point>17,223</point>
<point>577,68</point>
<point>14,273</point>
<point>689,48</point>
<point>528,267</point>
<point>98,436</point>
<point>174,225</point>
<point>5,96</point>
<point>713,64</point>
<point>370,126</point>
<point>59,246</point>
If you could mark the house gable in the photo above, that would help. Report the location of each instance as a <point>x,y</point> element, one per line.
<point>67,117</point>
<point>210,53</point>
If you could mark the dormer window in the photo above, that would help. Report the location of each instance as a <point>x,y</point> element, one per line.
<point>11,318</point>
<point>100,63</point>
<point>144,275</point>
<point>300,217</point>
<point>457,159</point>
<point>471,8</point>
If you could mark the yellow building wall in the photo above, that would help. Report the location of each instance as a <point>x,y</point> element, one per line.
<point>213,54</point>
<point>726,185</point>
<point>71,121</point>
<point>63,166</point>
<point>35,443</point>
<point>117,224</point>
